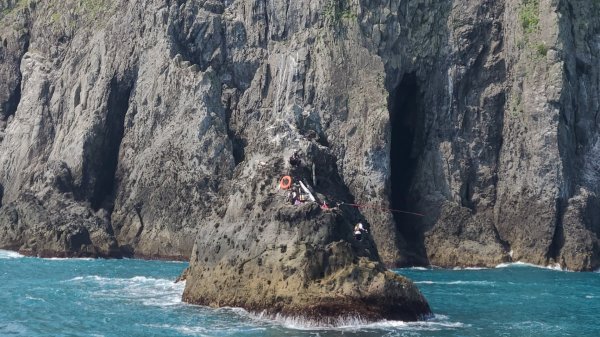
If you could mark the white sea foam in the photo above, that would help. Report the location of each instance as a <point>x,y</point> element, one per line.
<point>7,254</point>
<point>354,323</point>
<point>175,261</point>
<point>482,283</point>
<point>469,268</point>
<point>191,330</point>
<point>186,330</point>
<point>539,327</point>
<point>35,298</point>
<point>516,264</point>
<point>555,266</point>
<point>203,331</point>
<point>69,258</point>
<point>148,290</point>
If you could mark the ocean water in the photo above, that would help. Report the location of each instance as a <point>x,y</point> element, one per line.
<point>86,297</point>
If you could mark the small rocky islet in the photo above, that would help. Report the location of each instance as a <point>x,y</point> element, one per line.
<point>161,129</point>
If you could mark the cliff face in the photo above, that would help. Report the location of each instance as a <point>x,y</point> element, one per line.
<point>151,128</point>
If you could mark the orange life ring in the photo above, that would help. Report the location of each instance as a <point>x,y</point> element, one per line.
<point>285,182</point>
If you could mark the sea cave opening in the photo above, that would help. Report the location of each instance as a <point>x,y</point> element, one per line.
<point>407,133</point>
<point>107,154</point>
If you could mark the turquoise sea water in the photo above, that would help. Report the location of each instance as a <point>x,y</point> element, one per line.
<point>85,297</point>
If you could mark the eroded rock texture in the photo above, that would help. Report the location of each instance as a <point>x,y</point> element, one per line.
<point>160,129</point>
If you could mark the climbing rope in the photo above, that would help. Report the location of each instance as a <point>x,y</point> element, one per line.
<point>381,208</point>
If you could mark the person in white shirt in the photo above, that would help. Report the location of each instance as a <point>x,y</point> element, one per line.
<point>359,229</point>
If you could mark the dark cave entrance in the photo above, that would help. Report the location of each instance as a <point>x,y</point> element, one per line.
<point>407,118</point>
<point>109,143</point>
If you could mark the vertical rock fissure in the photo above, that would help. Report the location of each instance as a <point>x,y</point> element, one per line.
<point>238,143</point>
<point>407,127</point>
<point>558,239</point>
<point>110,143</point>
<point>10,107</point>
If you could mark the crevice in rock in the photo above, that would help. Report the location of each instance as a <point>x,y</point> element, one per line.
<point>105,150</point>
<point>1,194</point>
<point>558,239</point>
<point>77,97</point>
<point>138,212</point>
<point>505,244</point>
<point>407,117</point>
<point>10,107</point>
<point>238,143</point>
<point>466,194</point>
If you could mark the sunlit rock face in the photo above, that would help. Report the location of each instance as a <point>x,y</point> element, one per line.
<point>148,128</point>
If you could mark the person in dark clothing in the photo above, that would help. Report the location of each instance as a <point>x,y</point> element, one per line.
<point>295,159</point>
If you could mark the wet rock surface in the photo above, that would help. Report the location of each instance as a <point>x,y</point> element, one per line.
<point>160,129</point>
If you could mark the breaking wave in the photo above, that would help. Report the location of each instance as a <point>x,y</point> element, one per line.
<point>416,268</point>
<point>353,323</point>
<point>555,266</point>
<point>469,268</point>
<point>147,290</point>
<point>7,254</point>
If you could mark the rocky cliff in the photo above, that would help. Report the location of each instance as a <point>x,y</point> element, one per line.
<point>160,129</point>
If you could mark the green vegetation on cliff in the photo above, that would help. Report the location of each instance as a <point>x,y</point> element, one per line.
<point>59,11</point>
<point>8,7</point>
<point>336,10</point>
<point>529,15</point>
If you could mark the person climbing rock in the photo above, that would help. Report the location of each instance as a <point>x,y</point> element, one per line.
<point>359,229</point>
<point>291,197</point>
<point>295,160</point>
<point>295,196</point>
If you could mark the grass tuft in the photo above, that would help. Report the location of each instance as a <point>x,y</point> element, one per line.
<point>529,15</point>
